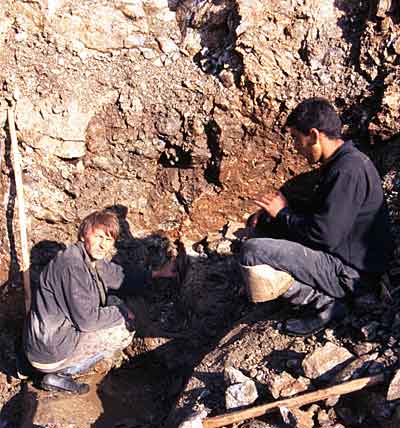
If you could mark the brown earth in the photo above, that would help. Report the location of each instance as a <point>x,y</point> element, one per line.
<point>173,112</point>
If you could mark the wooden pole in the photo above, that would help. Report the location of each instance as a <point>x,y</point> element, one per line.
<point>25,265</point>
<point>301,400</point>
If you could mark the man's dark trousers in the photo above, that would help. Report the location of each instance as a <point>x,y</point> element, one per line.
<point>313,271</point>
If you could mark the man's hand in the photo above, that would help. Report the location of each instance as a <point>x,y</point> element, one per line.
<point>272,203</point>
<point>130,315</point>
<point>252,221</point>
<point>166,271</point>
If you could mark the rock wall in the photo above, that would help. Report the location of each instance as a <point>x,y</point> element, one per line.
<point>174,109</point>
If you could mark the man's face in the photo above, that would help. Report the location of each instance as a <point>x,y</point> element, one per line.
<point>307,145</point>
<point>98,244</point>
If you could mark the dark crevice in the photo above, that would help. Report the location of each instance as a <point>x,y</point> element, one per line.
<point>175,156</point>
<point>212,172</point>
<point>183,202</point>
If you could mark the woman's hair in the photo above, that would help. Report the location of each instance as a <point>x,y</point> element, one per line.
<point>103,219</point>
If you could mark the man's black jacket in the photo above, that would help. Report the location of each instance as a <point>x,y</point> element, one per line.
<point>349,217</point>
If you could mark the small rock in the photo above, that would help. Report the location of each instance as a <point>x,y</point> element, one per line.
<point>242,390</point>
<point>394,388</point>
<point>324,360</point>
<point>148,53</point>
<point>135,41</point>
<point>258,424</point>
<point>323,417</point>
<point>369,331</point>
<point>194,421</point>
<point>224,246</point>
<point>232,376</point>
<point>355,369</point>
<point>170,124</point>
<point>285,385</point>
<point>227,78</point>
<point>297,418</point>
<point>241,394</point>
<point>332,401</point>
<point>167,45</point>
<point>364,348</point>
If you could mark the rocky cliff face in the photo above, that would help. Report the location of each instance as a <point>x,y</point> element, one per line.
<point>175,109</point>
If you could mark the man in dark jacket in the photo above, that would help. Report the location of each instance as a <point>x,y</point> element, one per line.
<point>72,325</point>
<point>343,242</point>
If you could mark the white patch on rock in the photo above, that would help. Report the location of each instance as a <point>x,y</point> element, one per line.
<point>53,6</point>
<point>242,390</point>
<point>194,421</point>
<point>36,121</point>
<point>232,376</point>
<point>394,387</point>
<point>135,41</point>
<point>167,45</point>
<point>240,394</point>
<point>62,149</point>
<point>324,359</point>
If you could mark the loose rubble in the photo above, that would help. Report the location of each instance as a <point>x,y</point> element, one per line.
<point>172,112</point>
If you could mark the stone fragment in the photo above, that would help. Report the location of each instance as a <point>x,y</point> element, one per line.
<point>332,401</point>
<point>324,360</point>
<point>323,417</point>
<point>148,53</point>
<point>167,45</point>
<point>285,385</point>
<point>364,348</point>
<point>258,424</point>
<point>54,5</point>
<point>135,41</point>
<point>62,149</point>
<point>234,230</point>
<point>369,331</point>
<point>297,418</point>
<point>224,246</point>
<point>232,376</point>
<point>170,124</point>
<point>103,29</point>
<point>242,390</point>
<point>194,421</point>
<point>355,369</point>
<point>156,4</point>
<point>240,394</point>
<point>132,9</point>
<point>383,8</point>
<point>394,387</point>
<point>34,122</point>
<point>192,43</point>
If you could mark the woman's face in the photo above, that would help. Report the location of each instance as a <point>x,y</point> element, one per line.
<point>98,243</point>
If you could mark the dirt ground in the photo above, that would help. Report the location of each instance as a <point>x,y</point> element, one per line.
<point>172,112</point>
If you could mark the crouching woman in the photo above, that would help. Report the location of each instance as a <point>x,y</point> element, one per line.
<point>72,323</point>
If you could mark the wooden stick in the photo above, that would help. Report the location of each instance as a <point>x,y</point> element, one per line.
<point>21,209</point>
<point>301,400</point>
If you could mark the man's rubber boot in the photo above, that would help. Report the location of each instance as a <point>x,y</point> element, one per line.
<point>265,283</point>
<point>57,382</point>
<point>312,324</point>
<point>303,296</point>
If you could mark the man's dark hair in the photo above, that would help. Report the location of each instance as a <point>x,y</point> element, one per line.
<point>315,113</point>
<point>104,219</point>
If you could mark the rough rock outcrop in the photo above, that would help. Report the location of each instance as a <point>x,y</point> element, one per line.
<point>174,109</point>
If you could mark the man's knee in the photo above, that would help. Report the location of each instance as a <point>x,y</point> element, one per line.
<point>248,252</point>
